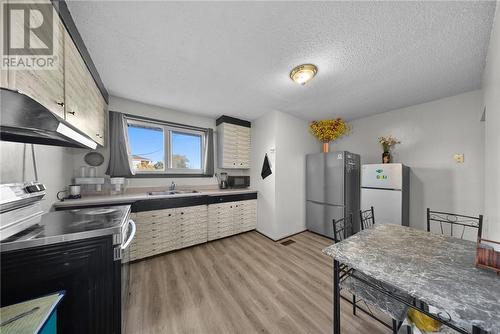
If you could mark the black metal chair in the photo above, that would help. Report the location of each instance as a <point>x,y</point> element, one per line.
<point>454,225</point>
<point>353,281</point>
<point>367,218</point>
<point>342,228</point>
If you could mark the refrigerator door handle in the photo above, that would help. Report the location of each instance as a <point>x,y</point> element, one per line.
<point>378,188</point>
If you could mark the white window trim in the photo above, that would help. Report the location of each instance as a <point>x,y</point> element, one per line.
<point>167,137</point>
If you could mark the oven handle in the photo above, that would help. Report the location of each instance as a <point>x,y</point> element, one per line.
<point>132,235</point>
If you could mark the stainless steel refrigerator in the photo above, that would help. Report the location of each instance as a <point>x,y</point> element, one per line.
<point>386,187</point>
<point>332,190</point>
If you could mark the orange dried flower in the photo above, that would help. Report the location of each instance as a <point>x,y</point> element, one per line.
<point>328,130</point>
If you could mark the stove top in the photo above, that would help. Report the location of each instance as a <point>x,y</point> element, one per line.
<point>70,225</point>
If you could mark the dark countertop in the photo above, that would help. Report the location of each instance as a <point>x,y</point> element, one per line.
<point>435,269</point>
<point>70,225</point>
<point>134,197</point>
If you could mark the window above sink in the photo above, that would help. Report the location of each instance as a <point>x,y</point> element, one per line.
<point>165,149</point>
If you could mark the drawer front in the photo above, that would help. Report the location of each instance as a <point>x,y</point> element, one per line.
<point>186,242</point>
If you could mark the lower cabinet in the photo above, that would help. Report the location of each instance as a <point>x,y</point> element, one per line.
<point>161,231</point>
<point>230,218</point>
<point>164,230</point>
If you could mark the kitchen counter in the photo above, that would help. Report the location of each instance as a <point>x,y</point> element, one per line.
<point>134,197</point>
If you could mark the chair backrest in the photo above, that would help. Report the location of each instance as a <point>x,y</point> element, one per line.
<point>367,218</point>
<point>453,224</point>
<point>342,228</point>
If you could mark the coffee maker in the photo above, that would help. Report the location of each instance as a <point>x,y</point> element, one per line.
<point>222,177</point>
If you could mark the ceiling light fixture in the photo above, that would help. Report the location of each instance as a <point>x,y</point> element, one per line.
<point>303,73</point>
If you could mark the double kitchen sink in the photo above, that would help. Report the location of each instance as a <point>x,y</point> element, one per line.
<point>172,192</point>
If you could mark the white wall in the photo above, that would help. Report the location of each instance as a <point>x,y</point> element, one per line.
<point>491,88</point>
<point>54,166</point>
<point>430,134</point>
<point>264,141</point>
<point>155,112</point>
<point>281,195</point>
<point>293,143</point>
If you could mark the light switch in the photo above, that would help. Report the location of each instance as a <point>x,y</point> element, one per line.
<point>459,158</point>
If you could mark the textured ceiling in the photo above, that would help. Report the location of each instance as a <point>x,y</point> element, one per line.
<point>233,58</point>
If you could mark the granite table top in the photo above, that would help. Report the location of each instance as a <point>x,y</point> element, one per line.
<point>435,269</point>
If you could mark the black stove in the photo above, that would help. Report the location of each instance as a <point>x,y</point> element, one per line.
<point>71,225</point>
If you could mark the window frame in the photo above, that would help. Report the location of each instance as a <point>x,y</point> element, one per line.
<point>168,129</point>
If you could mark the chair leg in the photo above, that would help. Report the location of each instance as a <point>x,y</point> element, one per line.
<point>394,326</point>
<point>354,304</point>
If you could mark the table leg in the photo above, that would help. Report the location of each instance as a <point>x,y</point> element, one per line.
<point>336,297</point>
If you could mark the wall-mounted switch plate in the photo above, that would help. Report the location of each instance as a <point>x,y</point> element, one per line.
<point>459,158</point>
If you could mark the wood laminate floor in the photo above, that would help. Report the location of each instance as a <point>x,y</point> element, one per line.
<point>242,284</point>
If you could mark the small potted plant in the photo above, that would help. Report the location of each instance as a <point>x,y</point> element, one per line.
<point>387,144</point>
<point>328,130</point>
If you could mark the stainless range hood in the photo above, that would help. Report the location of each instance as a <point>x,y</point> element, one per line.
<point>24,120</point>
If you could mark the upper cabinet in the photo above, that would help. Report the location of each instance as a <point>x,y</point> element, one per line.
<point>46,86</point>
<point>71,89</point>
<point>85,108</point>
<point>234,143</point>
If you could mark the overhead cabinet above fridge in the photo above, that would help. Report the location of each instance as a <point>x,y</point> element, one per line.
<point>234,143</point>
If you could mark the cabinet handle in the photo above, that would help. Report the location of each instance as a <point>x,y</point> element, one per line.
<point>71,112</point>
<point>61,104</point>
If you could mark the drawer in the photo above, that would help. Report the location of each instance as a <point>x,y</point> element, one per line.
<point>185,223</point>
<point>145,215</point>
<point>222,225</point>
<point>196,208</point>
<point>192,230</point>
<point>193,242</point>
<point>226,214</point>
<point>200,222</point>
<point>198,235</point>
<point>142,235</point>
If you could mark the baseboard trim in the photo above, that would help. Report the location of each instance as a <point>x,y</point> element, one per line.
<point>280,239</point>
<point>321,235</point>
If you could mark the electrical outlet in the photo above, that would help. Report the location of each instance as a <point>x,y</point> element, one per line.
<point>459,158</point>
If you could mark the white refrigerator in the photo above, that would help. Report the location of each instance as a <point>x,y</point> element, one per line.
<point>386,187</point>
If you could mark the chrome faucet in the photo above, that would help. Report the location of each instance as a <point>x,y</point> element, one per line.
<point>172,186</point>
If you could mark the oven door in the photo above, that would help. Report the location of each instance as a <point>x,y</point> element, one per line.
<point>125,269</point>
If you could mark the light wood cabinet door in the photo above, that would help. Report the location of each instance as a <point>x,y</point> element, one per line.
<point>46,86</point>
<point>157,232</point>
<point>85,108</point>
<point>192,222</point>
<point>231,218</point>
<point>221,220</point>
<point>98,104</point>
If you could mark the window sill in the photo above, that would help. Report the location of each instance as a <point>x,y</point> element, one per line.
<point>167,176</point>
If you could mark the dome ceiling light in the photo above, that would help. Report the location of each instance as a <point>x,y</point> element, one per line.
<point>302,74</point>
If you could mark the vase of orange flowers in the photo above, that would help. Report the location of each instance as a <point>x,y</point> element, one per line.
<point>329,130</point>
<point>387,144</point>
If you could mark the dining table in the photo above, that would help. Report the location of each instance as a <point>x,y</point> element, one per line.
<point>436,271</point>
